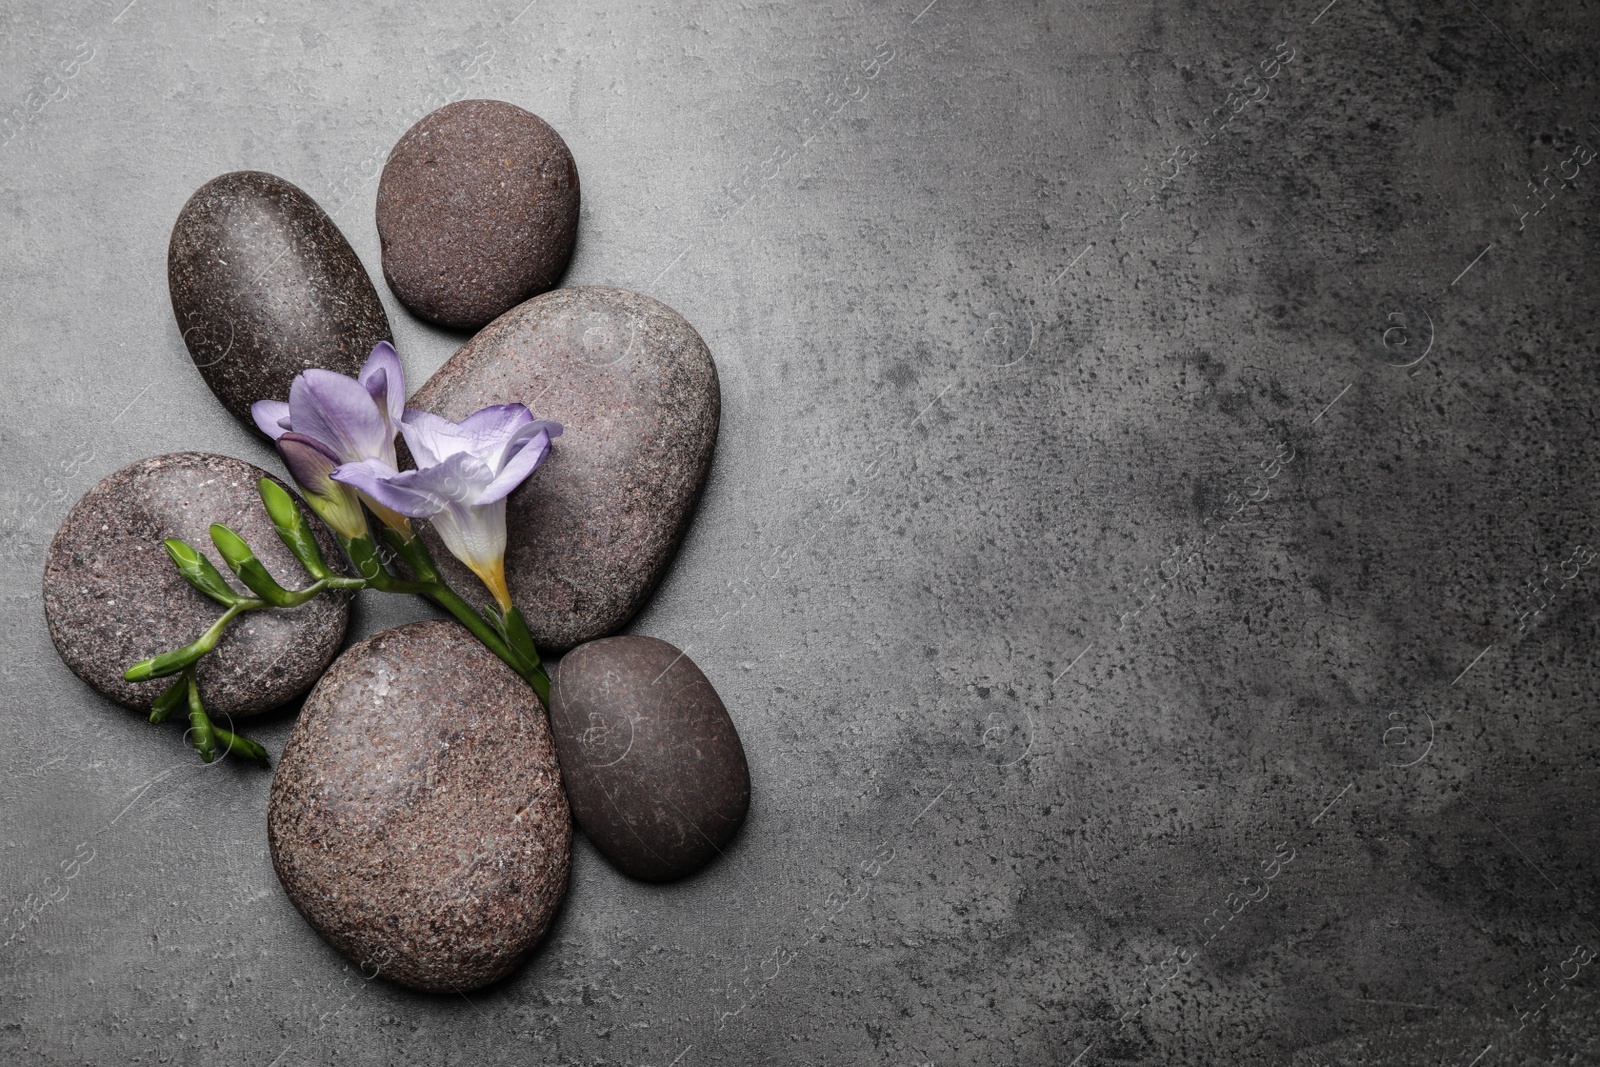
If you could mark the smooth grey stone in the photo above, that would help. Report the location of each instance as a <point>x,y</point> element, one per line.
<point>264,286</point>
<point>655,771</point>
<point>112,597</point>
<point>477,211</point>
<point>592,531</point>
<point>417,819</point>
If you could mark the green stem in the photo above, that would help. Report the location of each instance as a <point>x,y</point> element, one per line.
<point>467,615</point>
<point>429,584</point>
<point>293,598</point>
<point>170,663</point>
<point>506,636</point>
<point>415,553</point>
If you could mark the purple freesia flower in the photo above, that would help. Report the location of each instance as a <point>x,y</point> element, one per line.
<point>346,419</point>
<point>464,473</point>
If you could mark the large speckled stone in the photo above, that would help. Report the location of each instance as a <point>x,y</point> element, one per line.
<point>591,533</point>
<point>112,596</point>
<point>264,286</point>
<point>477,211</point>
<point>417,819</point>
<point>654,768</point>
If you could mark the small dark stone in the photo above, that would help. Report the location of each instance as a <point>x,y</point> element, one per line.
<point>265,286</point>
<point>417,819</point>
<point>592,532</point>
<point>655,771</point>
<point>477,211</point>
<point>112,597</point>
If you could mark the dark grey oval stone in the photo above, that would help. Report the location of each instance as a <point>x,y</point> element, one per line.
<point>477,211</point>
<point>417,819</point>
<point>265,286</point>
<point>655,771</point>
<point>592,532</point>
<point>113,598</point>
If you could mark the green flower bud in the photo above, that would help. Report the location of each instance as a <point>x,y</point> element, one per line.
<point>244,563</point>
<point>294,529</point>
<point>199,572</point>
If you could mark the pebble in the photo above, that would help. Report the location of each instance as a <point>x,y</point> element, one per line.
<point>265,286</point>
<point>655,771</point>
<point>592,531</point>
<point>112,597</point>
<point>417,819</point>
<point>477,211</point>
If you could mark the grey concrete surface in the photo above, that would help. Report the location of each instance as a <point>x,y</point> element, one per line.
<point>1059,757</point>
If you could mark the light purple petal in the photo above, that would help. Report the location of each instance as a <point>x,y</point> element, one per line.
<point>339,412</point>
<point>550,429</point>
<point>526,455</point>
<point>492,435</point>
<point>272,416</point>
<point>460,479</point>
<point>377,386</point>
<point>495,422</point>
<point>310,462</point>
<point>431,439</point>
<point>385,381</point>
<point>502,425</point>
<point>393,489</point>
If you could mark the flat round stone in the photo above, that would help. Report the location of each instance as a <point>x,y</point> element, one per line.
<point>417,819</point>
<point>590,534</point>
<point>655,771</point>
<point>112,597</point>
<point>477,211</point>
<point>265,286</point>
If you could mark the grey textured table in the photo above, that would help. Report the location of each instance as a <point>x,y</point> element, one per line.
<point>1145,555</point>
